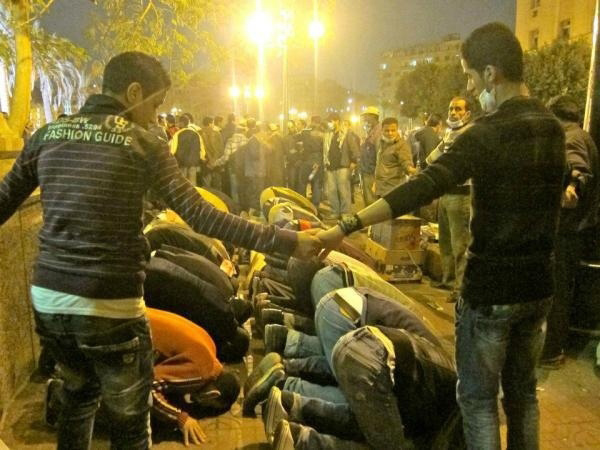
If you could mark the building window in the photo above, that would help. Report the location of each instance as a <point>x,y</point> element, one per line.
<point>533,39</point>
<point>564,32</point>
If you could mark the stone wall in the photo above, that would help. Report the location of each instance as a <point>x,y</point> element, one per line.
<point>18,246</point>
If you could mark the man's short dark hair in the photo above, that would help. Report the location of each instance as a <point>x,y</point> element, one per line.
<point>565,108</point>
<point>459,98</point>
<point>183,121</point>
<point>494,44</point>
<point>333,116</point>
<point>131,67</point>
<point>315,120</point>
<point>207,120</point>
<point>170,119</point>
<point>218,119</point>
<point>251,123</point>
<point>231,118</point>
<point>189,117</point>
<point>433,120</point>
<point>389,121</point>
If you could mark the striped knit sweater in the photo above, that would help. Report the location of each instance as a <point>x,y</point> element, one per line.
<point>516,160</point>
<point>93,169</point>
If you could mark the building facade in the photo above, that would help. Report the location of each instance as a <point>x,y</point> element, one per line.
<point>539,22</point>
<point>396,63</point>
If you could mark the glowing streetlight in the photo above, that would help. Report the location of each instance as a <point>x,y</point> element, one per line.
<point>350,101</point>
<point>259,92</point>
<point>234,92</point>
<point>316,30</point>
<point>354,119</point>
<point>259,27</point>
<point>293,111</point>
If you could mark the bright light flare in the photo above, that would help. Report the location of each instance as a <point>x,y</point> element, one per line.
<point>303,115</point>
<point>259,27</point>
<point>354,119</point>
<point>234,92</point>
<point>259,92</point>
<point>316,29</point>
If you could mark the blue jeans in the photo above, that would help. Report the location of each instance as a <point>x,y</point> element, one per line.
<point>499,343</point>
<point>324,281</point>
<point>301,345</point>
<point>360,362</point>
<point>339,192</point>
<point>101,359</point>
<point>308,389</point>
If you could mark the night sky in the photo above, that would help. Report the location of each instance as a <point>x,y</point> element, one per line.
<point>356,34</point>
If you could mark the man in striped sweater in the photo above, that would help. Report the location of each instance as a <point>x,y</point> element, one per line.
<point>93,169</point>
<point>515,156</point>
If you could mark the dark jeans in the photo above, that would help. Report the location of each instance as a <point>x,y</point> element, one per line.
<point>568,253</point>
<point>101,359</point>
<point>499,343</point>
<point>360,361</point>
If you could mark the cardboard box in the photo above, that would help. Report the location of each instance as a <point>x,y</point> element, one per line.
<point>403,233</point>
<point>395,257</point>
<point>400,273</point>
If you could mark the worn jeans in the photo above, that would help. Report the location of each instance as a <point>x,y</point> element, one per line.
<point>499,344</point>
<point>454,213</point>
<point>366,183</point>
<point>101,359</point>
<point>360,361</point>
<point>339,191</point>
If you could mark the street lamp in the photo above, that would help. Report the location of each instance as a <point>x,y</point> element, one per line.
<point>259,27</point>
<point>316,30</point>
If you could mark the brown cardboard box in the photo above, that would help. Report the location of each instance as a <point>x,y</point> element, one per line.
<point>403,233</point>
<point>387,256</point>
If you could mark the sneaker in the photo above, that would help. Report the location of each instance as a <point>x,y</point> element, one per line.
<point>275,338</point>
<point>260,391</point>
<point>52,403</point>
<point>283,438</point>
<point>553,363</point>
<point>273,412</point>
<point>266,364</point>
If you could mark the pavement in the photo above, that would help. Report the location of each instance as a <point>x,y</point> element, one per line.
<point>569,398</point>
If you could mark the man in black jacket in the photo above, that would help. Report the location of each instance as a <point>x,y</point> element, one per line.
<point>578,219</point>
<point>93,169</point>
<point>515,156</point>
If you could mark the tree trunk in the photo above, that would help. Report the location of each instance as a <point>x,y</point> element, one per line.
<point>21,100</point>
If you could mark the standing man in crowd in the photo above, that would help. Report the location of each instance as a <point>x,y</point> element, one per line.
<point>454,207</point>
<point>578,219</point>
<point>186,145</point>
<point>428,138</point>
<point>340,154</point>
<point>515,156</point>
<point>368,153</point>
<point>394,160</point>
<point>88,277</point>
<point>214,150</point>
<point>311,166</point>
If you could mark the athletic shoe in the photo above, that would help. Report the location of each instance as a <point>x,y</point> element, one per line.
<point>284,435</point>
<point>273,412</point>
<point>260,390</point>
<point>266,364</point>
<point>275,338</point>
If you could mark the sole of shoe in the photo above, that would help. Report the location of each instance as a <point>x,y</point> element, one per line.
<point>275,413</point>
<point>260,391</point>
<point>283,437</point>
<point>270,360</point>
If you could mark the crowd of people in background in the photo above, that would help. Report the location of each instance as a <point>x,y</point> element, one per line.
<point>346,351</point>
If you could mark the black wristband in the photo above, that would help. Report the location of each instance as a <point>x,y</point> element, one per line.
<point>349,223</point>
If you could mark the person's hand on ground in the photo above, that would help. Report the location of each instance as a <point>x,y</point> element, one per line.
<point>308,244</point>
<point>570,197</point>
<point>192,432</point>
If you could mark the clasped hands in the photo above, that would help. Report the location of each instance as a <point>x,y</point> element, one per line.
<point>317,241</point>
